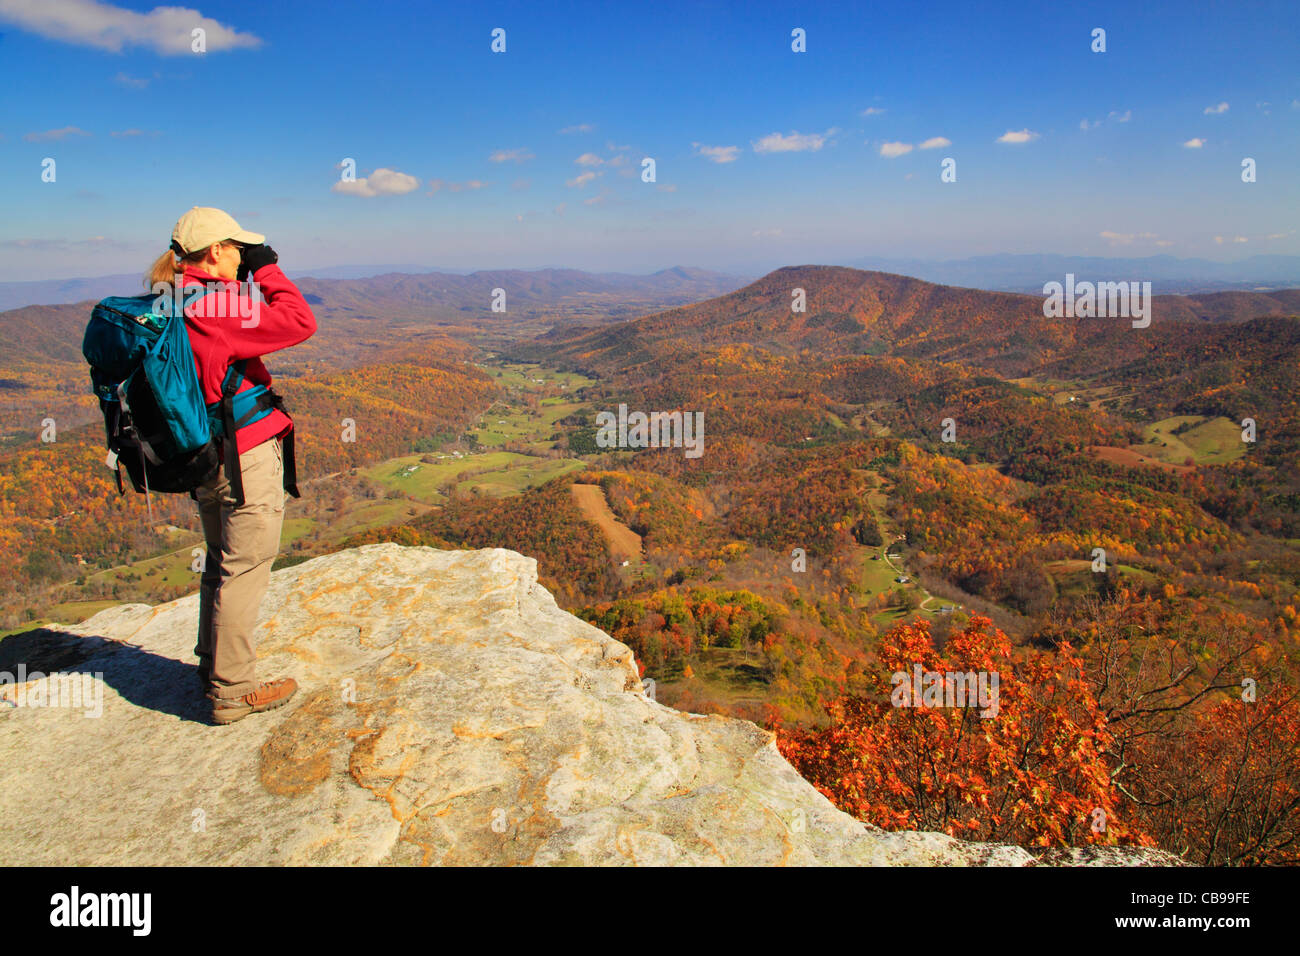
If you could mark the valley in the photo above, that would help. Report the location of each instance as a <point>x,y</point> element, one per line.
<point>833,519</point>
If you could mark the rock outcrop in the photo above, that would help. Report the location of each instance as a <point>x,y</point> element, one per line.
<point>449,713</point>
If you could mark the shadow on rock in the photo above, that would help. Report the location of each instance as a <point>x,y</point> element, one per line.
<point>139,677</point>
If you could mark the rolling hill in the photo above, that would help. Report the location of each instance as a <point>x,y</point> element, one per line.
<point>852,312</point>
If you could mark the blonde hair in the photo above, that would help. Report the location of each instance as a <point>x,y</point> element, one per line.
<point>167,267</point>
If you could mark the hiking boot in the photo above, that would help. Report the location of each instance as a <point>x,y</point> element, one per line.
<point>268,696</point>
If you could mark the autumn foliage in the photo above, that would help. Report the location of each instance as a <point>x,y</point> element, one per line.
<point>1034,774</point>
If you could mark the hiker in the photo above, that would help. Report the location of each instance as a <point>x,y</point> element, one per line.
<point>210,249</point>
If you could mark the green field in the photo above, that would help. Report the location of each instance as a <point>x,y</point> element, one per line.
<point>525,377</point>
<point>520,425</point>
<point>1075,579</point>
<point>1210,441</point>
<point>1060,391</point>
<point>503,473</point>
<point>725,675</point>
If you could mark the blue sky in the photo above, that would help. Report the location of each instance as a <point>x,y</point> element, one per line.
<point>532,157</point>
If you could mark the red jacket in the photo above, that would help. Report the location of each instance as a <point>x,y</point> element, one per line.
<point>216,334</point>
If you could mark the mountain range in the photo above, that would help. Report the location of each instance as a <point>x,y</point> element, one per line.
<point>852,312</point>
<point>1000,273</point>
<point>1028,273</point>
<point>537,287</point>
<point>614,321</point>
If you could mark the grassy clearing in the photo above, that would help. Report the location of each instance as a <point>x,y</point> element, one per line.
<point>520,425</point>
<point>502,473</point>
<point>1075,578</point>
<point>726,676</point>
<point>1062,391</point>
<point>512,481</point>
<point>1209,441</point>
<point>527,377</point>
<point>69,612</point>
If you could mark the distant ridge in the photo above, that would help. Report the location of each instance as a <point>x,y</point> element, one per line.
<point>852,311</point>
<point>994,273</point>
<point>15,295</point>
<point>1027,273</point>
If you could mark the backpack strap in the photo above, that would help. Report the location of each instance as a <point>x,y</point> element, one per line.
<point>112,425</point>
<point>265,400</point>
<point>290,465</point>
<point>230,445</point>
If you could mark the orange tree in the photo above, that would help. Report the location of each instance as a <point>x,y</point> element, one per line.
<point>1032,773</point>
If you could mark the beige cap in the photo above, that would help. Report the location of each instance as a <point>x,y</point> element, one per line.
<point>204,225</point>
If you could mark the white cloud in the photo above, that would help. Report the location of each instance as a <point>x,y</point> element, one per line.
<point>1195,143</point>
<point>894,150</point>
<point>382,182</point>
<point>165,30</point>
<point>717,154</point>
<point>579,128</point>
<point>793,143</point>
<point>1017,136</point>
<point>54,135</point>
<point>582,179</point>
<point>936,142</point>
<point>1220,240</point>
<point>1164,242</point>
<point>873,111</point>
<point>1085,125</point>
<point>1214,110</point>
<point>589,159</point>
<point>1119,117</point>
<point>1124,238</point>
<point>510,156</point>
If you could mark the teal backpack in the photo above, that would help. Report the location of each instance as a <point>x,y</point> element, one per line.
<point>157,424</point>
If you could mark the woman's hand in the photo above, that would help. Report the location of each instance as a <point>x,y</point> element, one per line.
<point>257,256</point>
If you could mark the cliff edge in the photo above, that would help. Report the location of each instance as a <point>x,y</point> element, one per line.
<point>449,713</point>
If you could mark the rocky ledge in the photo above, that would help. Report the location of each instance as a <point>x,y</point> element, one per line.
<point>448,713</point>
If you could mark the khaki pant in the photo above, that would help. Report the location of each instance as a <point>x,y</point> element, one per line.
<point>242,545</point>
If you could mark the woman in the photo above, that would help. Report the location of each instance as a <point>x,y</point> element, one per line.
<point>228,327</point>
